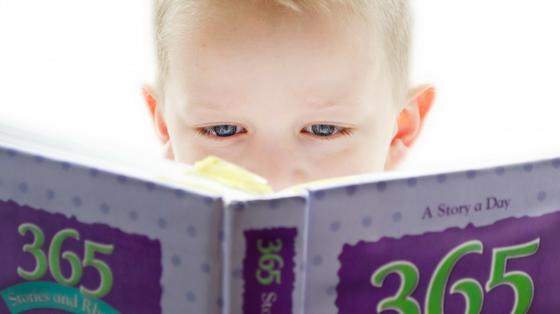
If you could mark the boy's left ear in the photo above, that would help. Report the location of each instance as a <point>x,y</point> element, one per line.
<point>409,123</point>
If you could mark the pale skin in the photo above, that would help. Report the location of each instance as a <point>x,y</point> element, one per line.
<point>292,99</point>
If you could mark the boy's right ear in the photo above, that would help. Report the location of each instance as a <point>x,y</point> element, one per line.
<point>155,113</point>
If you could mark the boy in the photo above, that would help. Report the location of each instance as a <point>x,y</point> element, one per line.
<point>293,90</point>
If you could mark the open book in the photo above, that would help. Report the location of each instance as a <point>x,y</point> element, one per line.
<point>81,232</point>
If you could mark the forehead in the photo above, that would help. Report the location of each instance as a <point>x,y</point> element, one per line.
<point>250,46</point>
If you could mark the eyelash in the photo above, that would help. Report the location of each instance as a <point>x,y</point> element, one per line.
<point>342,131</point>
<point>206,131</point>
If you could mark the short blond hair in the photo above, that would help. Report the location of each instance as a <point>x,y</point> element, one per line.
<point>392,20</point>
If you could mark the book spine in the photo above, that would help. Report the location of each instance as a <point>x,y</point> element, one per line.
<point>264,249</point>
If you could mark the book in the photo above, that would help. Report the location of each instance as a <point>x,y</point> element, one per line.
<point>87,231</point>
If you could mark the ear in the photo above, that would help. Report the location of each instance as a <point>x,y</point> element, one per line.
<point>154,108</point>
<point>409,123</point>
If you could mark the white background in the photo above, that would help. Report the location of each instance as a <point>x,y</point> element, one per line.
<point>73,69</point>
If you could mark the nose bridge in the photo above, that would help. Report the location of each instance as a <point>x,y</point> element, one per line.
<point>272,154</point>
<point>276,159</point>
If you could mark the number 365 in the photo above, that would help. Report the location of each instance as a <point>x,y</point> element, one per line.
<point>469,288</point>
<point>43,261</point>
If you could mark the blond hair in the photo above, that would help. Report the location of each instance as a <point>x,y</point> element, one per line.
<point>392,20</point>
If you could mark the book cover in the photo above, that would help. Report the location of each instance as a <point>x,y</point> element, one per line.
<point>78,238</point>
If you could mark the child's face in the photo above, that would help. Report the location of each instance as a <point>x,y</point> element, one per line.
<point>292,99</point>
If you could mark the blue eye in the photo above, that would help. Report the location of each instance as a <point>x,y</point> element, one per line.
<point>224,130</point>
<point>323,130</point>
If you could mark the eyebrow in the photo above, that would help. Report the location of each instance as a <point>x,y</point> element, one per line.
<point>313,103</point>
<point>318,104</point>
<point>210,106</point>
<point>323,104</point>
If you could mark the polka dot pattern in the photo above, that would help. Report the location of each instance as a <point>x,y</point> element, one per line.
<point>237,273</point>
<point>500,171</point>
<point>335,226</point>
<point>122,179</point>
<point>150,186</point>
<point>102,210</point>
<point>366,221</point>
<point>191,231</point>
<point>93,173</point>
<point>162,223</point>
<point>441,178</point>
<point>238,206</point>
<point>50,195</point>
<point>209,201</point>
<point>351,190</point>
<point>180,194</point>
<point>23,187</point>
<point>190,296</point>
<point>412,182</point>
<point>105,208</point>
<point>133,215</point>
<point>273,204</point>
<point>317,260</point>
<point>77,201</point>
<point>176,260</point>
<point>205,268</point>
<point>381,186</point>
<point>319,195</point>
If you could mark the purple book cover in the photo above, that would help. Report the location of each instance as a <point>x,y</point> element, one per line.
<point>52,262</point>
<point>476,241</point>
<point>81,240</point>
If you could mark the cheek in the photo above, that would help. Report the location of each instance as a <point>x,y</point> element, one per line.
<point>190,149</point>
<point>362,156</point>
